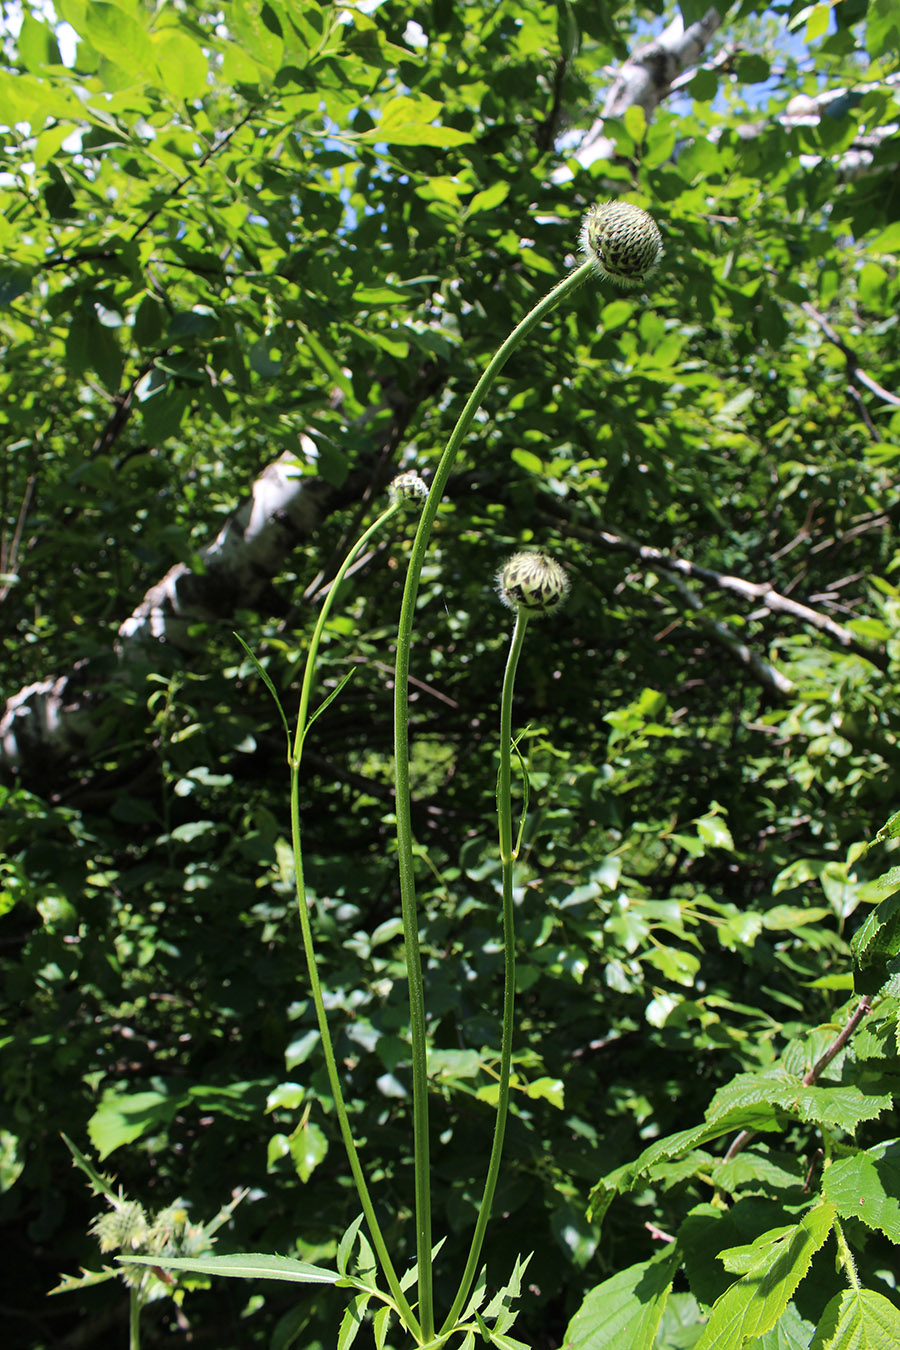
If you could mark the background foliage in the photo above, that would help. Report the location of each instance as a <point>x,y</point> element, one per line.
<point>241,230</point>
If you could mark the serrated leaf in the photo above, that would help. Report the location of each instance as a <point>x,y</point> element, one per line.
<point>867,1187</point>
<point>86,1280</point>
<point>841,1108</point>
<point>100,1184</point>
<point>500,1307</point>
<point>246,1266</point>
<point>752,1306</point>
<point>345,1246</point>
<point>626,1309</point>
<point>858,1319</point>
<point>878,937</point>
<point>380,1326</point>
<point>757,1117</point>
<point>790,1332</point>
<point>351,1322</point>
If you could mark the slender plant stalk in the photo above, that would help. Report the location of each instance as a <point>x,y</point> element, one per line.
<point>359,1179</point>
<point>421,1141</point>
<point>508,857</point>
<point>134,1317</point>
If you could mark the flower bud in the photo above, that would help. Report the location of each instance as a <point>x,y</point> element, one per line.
<point>532,583</point>
<point>123,1227</point>
<point>407,487</point>
<point>622,241</point>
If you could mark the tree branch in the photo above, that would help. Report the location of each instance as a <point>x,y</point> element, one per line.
<point>53,717</point>
<point>854,369</point>
<point>646,78</point>
<point>862,1009</point>
<point>759,591</point>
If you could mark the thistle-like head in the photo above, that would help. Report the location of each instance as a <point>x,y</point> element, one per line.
<point>408,488</point>
<point>622,241</point>
<point>532,583</point>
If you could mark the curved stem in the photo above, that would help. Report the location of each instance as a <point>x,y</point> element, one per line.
<point>359,1179</point>
<point>508,859</point>
<point>421,1143</point>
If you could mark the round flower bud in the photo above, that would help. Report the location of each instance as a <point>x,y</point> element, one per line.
<point>408,487</point>
<point>123,1227</point>
<point>622,242</point>
<point>532,583</point>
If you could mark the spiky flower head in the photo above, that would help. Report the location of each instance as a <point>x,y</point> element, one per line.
<point>125,1226</point>
<point>408,487</point>
<point>532,583</point>
<point>622,241</point>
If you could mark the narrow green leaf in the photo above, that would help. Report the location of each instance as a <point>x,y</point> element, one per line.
<point>329,699</point>
<point>380,1326</point>
<point>351,1322</point>
<point>263,675</point>
<point>246,1266</point>
<point>100,1184</point>
<point>345,1246</point>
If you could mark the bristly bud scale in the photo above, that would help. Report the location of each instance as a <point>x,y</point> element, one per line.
<point>532,583</point>
<point>408,488</point>
<point>622,241</point>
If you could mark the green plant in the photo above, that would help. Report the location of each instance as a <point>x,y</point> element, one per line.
<point>624,243</point>
<point>794,1175</point>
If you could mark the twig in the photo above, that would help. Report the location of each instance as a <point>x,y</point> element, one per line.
<point>760,591</point>
<point>854,369</point>
<point>201,162</point>
<point>862,1009</point>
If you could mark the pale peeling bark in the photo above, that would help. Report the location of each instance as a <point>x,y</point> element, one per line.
<point>807,110</point>
<point>283,509</point>
<point>646,78</point>
<point>53,718</point>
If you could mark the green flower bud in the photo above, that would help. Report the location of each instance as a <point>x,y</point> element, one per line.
<point>622,241</point>
<point>123,1227</point>
<point>532,583</point>
<point>408,487</point>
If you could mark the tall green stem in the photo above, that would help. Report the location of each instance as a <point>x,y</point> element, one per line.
<point>421,1141</point>
<point>508,859</point>
<point>359,1179</point>
<point>134,1317</point>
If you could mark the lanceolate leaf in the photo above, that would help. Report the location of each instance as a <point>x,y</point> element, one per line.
<point>247,1266</point>
<point>758,1116</point>
<point>754,1303</point>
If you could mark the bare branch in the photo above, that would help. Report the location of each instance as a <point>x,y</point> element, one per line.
<point>761,592</point>
<point>854,369</point>
<point>862,1009</point>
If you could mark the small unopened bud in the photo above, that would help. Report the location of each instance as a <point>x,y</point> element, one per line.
<point>408,487</point>
<point>123,1227</point>
<point>533,583</point>
<point>622,241</point>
